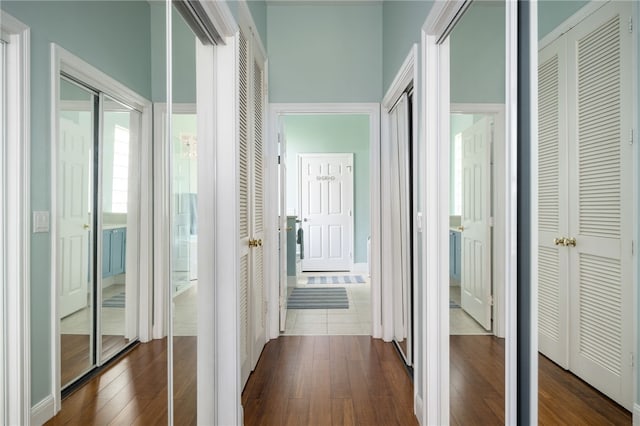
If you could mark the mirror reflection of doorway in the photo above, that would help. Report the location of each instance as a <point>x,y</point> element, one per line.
<point>97,218</point>
<point>470,228</point>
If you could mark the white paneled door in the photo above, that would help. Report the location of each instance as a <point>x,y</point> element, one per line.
<point>588,314</point>
<point>475,281</point>
<point>75,219</point>
<point>326,211</point>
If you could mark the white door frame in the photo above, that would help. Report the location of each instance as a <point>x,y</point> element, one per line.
<point>15,372</point>
<point>407,75</point>
<point>63,61</point>
<point>276,112</point>
<point>499,230</point>
<point>351,201</point>
<point>435,106</point>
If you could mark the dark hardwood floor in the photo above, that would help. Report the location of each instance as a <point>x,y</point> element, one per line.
<point>477,389</point>
<point>330,380</point>
<point>133,391</point>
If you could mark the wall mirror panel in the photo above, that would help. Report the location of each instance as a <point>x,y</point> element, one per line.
<point>476,222</point>
<point>586,104</point>
<point>184,220</point>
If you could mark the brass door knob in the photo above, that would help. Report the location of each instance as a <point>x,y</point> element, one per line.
<point>86,226</point>
<point>461,228</point>
<point>253,243</point>
<point>570,242</point>
<point>559,241</point>
<point>260,243</point>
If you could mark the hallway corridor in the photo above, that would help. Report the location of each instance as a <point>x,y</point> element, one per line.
<point>329,380</point>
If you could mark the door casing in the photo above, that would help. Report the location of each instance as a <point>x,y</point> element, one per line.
<point>64,61</point>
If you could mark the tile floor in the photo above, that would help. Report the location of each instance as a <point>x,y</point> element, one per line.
<point>460,322</point>
<point>80,322</point>
<point>353,321</point>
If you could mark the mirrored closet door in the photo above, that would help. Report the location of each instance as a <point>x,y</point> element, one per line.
<point>98,219</point>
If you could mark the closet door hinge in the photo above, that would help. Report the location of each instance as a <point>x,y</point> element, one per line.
<point>490,300</point>
<point>278,159</point>
<point>630,24</point>
<point>280,137</point>
<point>632,359</point>
<point>630,136</point>
<point>633,248</point>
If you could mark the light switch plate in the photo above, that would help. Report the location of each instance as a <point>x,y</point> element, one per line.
<point>40,221</point>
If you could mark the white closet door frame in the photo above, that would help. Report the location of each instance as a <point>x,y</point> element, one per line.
<point>15,398</point>
<point>64,61</point>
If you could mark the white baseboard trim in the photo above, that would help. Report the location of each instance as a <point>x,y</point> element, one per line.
<point>43,411</point>
<point>361,268</point>
<point>418,408</point>
<point>636,414</point>
<point>292,281</point>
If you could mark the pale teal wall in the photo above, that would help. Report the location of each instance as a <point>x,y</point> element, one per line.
<point>112,36</point>
<point>552,13</point>
<point>258,9</point>
<point>333,133</point>
<point>402,27</point>
<point>478,54</point>
<point>325,53</point>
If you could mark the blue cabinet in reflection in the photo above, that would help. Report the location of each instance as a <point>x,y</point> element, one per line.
<point>114,244</point>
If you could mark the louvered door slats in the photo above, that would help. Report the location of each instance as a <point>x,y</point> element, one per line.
<point>251,104</point>
<point>598,113</point>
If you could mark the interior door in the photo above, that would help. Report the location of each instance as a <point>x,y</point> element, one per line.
<point>475,282</point>
<point>326,208</point>
<point>600,187</point>
<point>244,204</point>
<point>553,205</point>
<point>74,212</point>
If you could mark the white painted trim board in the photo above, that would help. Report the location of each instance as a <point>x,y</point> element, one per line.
<point>16,352</point>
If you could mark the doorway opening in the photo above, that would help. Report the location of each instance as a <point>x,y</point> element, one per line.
<point>473,280</point>
<point>325,196</point>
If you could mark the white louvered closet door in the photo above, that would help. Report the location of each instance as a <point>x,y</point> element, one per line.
<point>553,204</point>
<point>244,176</point>
<point>599,61</point>
<point>257,211</point>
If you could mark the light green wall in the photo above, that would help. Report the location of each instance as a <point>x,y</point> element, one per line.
<point>258,9</point>
<point>333,134</point>
<point>552,13</point>
<point>325,53</point>
<point>402,26</point>
<point>114,37</point>
<point>478,54</point>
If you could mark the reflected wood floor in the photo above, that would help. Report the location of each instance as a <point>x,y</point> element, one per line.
<point>477,389</point>
<point>75,353</point>
<point>133,391</point>
<point>329,380</point>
